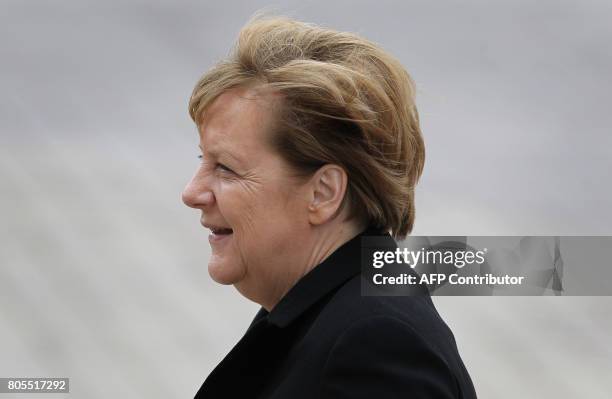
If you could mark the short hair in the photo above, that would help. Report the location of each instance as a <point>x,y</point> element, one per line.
<point>344,100</point>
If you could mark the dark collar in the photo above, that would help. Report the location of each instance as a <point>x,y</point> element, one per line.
<point>335,270</point>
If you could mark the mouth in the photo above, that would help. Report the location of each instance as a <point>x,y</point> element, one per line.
<point>219,233</point>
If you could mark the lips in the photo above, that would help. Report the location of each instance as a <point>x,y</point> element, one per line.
<point>218,230</point>
<point>221,230</point>
<point>220,236</point>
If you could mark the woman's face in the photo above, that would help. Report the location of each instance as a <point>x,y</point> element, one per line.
<point>256,210</point>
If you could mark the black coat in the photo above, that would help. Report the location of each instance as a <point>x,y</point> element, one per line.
<point>325,340</point>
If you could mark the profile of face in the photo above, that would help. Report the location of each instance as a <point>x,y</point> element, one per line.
<point>256,208</point>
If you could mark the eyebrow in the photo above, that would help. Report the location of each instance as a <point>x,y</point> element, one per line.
<point>215,153</point>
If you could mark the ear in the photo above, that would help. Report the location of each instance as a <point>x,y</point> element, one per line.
<point>328,188</point>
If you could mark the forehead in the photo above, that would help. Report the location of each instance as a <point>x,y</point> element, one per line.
<point>238,118</point>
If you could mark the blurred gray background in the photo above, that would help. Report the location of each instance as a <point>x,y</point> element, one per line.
<point>103,270</point>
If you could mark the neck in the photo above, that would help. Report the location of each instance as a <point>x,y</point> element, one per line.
<point>323,241</point>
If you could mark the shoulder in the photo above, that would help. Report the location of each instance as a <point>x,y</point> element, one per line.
<point>348,308</point>
<point>387,345</point>
<point>381,354</point>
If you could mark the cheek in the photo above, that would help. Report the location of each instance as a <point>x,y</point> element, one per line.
<point>239,207</point>
<point>279,215</point>
<point>261,214</point>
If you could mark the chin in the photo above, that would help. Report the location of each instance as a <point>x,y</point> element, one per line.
<point>223,273</point>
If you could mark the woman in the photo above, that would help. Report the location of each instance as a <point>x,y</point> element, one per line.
<point>309,142</point>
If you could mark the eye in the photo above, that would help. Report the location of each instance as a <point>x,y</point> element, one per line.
<point>219,166</point>
<point>224,168</point>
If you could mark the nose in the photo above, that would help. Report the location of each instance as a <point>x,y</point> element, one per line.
<point>197,194</point>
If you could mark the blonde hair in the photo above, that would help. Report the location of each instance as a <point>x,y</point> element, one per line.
<point>345,101</point>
